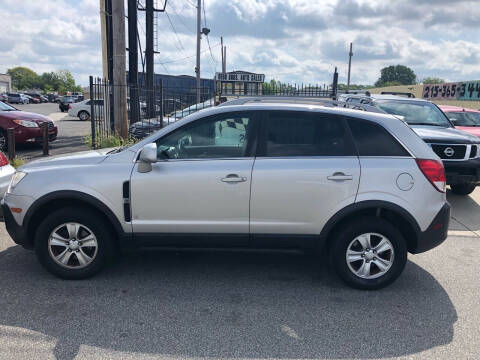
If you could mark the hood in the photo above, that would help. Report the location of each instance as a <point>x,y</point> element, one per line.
<point>435,134</point>
<point>80,158</point>
<point>23,115</point>
<point>474,130</point>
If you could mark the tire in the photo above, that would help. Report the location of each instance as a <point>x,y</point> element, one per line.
<point>350,271</point>
<point>83,115</point>
<point>90,223</point>
<point>463,189</point>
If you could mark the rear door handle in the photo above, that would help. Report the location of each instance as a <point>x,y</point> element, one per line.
<point>233,178</point>
<point>340,176</point>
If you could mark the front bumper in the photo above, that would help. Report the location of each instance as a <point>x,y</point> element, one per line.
<point>24,135</point>
<point>17,233</point>
<point>462,172</point>
<point>436,233</point>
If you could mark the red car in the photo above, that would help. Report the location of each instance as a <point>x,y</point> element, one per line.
<point>26,125</point>
<point>464,119</point>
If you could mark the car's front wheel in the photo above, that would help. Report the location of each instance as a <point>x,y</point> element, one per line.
<point>463,189</point>
<point>369,253</point>
<point>73,243</point>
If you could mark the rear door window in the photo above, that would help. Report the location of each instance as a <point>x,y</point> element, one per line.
<point>295,133</point>
<point>372,139</point>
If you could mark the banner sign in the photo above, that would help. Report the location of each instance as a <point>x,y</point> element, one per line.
<point>467,90</point>
<point>246,77</point>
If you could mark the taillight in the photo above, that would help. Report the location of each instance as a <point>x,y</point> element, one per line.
<point>3,159</point>
<point>434,172</point>
<point>69,106</point>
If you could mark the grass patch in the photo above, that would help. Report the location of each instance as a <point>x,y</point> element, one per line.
<point>17,162</point>
<point>109,141</point>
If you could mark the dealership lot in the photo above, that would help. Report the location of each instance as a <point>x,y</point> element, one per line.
<point>71,132</point>
<point>244,305</point>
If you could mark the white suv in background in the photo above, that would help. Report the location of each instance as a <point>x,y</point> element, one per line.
<point>362,187</point>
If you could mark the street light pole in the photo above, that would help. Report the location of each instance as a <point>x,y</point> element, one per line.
<point>197,68</point>
<point>350,54</point>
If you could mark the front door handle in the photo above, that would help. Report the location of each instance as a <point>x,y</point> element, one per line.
<point>340,176</point>
<point>233,178</point>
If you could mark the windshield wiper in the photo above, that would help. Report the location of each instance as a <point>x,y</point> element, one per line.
<point>114,151</point>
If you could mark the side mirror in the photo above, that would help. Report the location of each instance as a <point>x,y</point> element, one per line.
<point>148,156</point>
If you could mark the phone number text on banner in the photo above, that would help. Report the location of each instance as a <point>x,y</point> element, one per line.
<point>467,90</point>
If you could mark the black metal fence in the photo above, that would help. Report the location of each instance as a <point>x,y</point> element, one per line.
<point>150,110</point>
<point>147,110</point>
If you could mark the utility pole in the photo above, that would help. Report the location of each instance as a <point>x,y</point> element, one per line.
<point>197,68</point>
<point>103,25</point>
<point>133,61</point>
<point>224,69</point>
<point>149,58</point>
<point>119,69</point>
<point>350,54</point>
<point>221,49</point>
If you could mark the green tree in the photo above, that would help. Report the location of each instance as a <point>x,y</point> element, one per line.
<point>400,74</point>
<point>23,78</point>
<point>433,80</point>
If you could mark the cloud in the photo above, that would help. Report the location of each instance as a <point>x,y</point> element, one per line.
<point>289,40</point>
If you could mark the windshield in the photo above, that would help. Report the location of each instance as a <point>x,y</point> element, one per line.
<point>415,113</point>
<point>5,107</point>
<point>465,118</point>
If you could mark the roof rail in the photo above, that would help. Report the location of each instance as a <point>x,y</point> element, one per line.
<point>281,99</point>
<point>398,93</point>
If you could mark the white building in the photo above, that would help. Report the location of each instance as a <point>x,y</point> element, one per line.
<point>5,83</point>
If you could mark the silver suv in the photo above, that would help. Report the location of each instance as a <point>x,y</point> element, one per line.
<point>360,187</point>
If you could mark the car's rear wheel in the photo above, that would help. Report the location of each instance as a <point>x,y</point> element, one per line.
<point>463,189</point>
<point>369,253</point>
<point>83,115</point>
<point>73,243</point>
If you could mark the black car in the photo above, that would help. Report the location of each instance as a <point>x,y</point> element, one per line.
<point>459,150</point>
<point>64,102</point>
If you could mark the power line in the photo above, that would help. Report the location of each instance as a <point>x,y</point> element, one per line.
<point>180,17</point>
<point>208,40</point>
<point>175,31</point>
<point>190,3</point>
<point>187,57</point>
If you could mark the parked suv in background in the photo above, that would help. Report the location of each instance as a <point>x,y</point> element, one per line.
<point>459,150</point>
<point>14,98</point>
<point>26,126</point>
<point>258,176</point>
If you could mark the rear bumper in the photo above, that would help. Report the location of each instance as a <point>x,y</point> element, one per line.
<point>462,172</point>
<point>436,233</point>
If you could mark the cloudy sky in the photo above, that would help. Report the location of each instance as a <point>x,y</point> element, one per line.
<point>289,40</point>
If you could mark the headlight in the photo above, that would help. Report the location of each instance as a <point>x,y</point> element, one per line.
<point>26,123</point>
<point>16,178</point>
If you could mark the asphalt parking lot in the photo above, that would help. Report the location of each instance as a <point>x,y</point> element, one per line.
<point>170,305</point>
<point>71,132</point>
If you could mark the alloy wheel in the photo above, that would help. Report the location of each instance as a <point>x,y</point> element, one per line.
<point>73,245</point>
<point>370,255</point>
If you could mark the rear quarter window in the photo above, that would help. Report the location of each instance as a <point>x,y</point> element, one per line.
<point>372,139</point>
